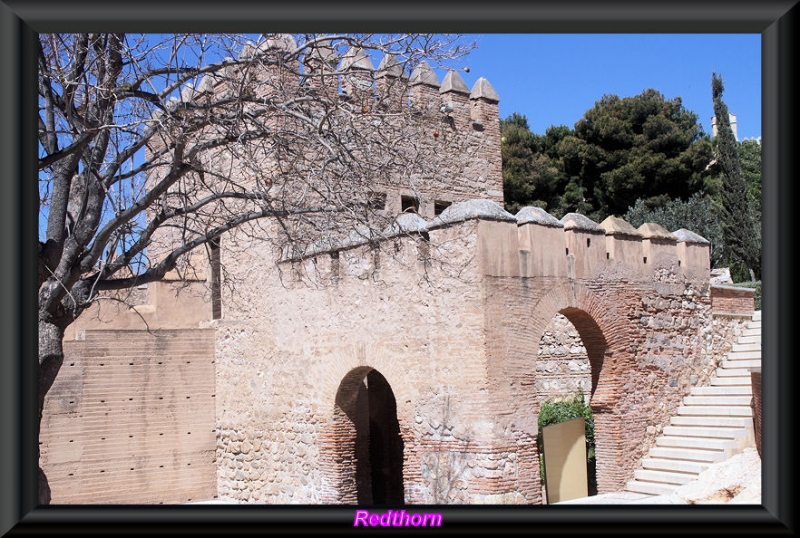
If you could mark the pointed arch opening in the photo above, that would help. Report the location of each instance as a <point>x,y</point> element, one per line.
<point>368,445</point>
<point>571,355</point>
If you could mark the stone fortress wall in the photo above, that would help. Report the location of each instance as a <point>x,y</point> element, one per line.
<point>404,369</point>
<point>452,317</point>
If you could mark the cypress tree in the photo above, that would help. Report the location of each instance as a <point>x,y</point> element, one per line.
<point>738,231</point>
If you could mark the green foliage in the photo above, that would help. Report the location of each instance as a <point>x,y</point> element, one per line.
<point>530,176</point>
<point>739,232</point>
<point>643,147</point>
<point>695,214</point>
<point>750,161</point>
<point>557,411</point>
<point>749,153</point>
<point>517,153</point>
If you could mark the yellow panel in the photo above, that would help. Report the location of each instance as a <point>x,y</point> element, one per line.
<point>565,460</point>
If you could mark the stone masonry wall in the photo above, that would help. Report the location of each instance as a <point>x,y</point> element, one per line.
<point>646,340</point>
<point>465,344</point>
<point>284,355</point>
<point>437,142</point>
<point>470,322</point>
<point>562,365</point>
<point>646,370</point>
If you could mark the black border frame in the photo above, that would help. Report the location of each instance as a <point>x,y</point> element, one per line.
<point>775,20</point>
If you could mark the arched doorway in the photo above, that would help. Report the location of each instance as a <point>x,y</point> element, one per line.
<point>569,362</point>
<point>368,442</point>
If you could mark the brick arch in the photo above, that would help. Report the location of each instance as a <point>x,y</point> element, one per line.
<point>606,337</point>
<point>363,444</point>
<point>605,334</point>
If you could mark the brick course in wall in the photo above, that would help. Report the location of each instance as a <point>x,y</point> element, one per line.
<point>733,301</point>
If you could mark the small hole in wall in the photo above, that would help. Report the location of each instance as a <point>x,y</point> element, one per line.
<point>645,259</point>
<point>409,204</point>
<point>568,252</point>
<point>439,206</point>
<point>588,242</point>
<point>608,255</point>
<point>679,263</point>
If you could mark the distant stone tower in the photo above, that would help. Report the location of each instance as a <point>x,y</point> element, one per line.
<point>733,126</point>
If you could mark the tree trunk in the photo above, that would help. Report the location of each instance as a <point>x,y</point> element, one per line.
<point>51,355</point>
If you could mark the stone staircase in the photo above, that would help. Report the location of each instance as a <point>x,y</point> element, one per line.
<point>713,423</point>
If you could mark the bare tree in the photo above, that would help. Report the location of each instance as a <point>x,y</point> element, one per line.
<point>152,147</point>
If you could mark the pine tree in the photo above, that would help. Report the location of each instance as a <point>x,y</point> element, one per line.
<point>738,231</point>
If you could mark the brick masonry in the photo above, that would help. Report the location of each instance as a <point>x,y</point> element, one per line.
<point>732,301</point>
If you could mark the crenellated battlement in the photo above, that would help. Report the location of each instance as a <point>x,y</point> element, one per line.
<point>533,243</point>
<point>448,133</point>
<point>353,78</point>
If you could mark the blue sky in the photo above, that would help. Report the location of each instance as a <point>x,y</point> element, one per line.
<point>554,78</point>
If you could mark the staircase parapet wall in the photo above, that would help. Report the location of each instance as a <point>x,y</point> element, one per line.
<point>623,246</point>
<point>732,301</point>
<point>659,249</point>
